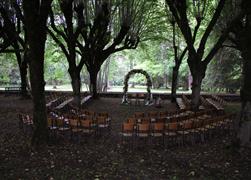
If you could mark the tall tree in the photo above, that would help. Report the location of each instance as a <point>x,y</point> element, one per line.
<point>109,27</point>
<point>35,21</point>
<point>198,59</point>
<point>241,38</point>
<point>65,33</point>
<point>11,28</point>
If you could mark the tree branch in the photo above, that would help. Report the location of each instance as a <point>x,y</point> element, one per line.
<point>222,38</point>
<point>230,46</point>
<point>54,26</point>
<point>19,11</point>
<point>210,28</point>
<point>121,35</point>
<point>178,9</point>
<point>59,43</point>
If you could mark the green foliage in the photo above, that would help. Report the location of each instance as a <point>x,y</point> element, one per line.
<point>152,56</point>
<point>9,72</point>
<point>55,65</point>
<point>224,72</point>
<point>154,53</point>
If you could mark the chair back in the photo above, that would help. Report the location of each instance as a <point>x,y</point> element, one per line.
<point>143,127</point>
<point>103,114</point>
<point>172,126</point>
<point>73,123</point>
<point>145,120</point>
<point>127,127</point>
<point>139,115</point>
<point>132,120</point>
<point>158,126</point>
<point>153,114</point>
<point>85,123</point>
<point>101,120</point>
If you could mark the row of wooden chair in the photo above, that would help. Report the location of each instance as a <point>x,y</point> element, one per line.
<point>221,101</point>
<point>156,114</point>
<point>184,103</point>
<point>164,116</point>
<point>215,104</point>
<point>56,101</point>
<point>52,96</point>
<point>193,130</point>
<point>92,123</point>
<point>81,114</point>
<point>78,127</point>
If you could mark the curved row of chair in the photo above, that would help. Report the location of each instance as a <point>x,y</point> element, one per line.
<point>83,122</point>
<point>221,101</point>
<point>164,116</point>
<point>198,128</point>
<point>86,123</point>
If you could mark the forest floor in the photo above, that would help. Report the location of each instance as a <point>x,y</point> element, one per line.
<point>106,157</point>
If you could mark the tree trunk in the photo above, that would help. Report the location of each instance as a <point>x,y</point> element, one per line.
<point>35,24</point>
<point>174,83</point>
<point>196,89</point>
<point>93,83</point>
<point>76,86</point>
<point>36,57</point>
<point>100,81</point>
<point>22,64</point>
<point>106,75</point>
<point>23,74</point>
<point>244,134</point>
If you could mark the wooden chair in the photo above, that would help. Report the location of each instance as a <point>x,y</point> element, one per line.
<point>170,134</point>
<point>141,98</point>
<point>132,120</point>
<point>128,132</point>
<point>139,115</point>
<point>145,120</point>
<point>185,131</point>
<point>143,132</point>
<point>88,126</point>
<point>198,131</point>
<point>210,127</point>
<point>158,132</point>
<point>221,125</point>
<point>102,125</point>
<point>75,128</point>
<point>62,127</point>
<point>103,114</point>
<point>90,113</point>
<point>87,117</point>
<point>52,126</point>
<point>106,115</point>
<point>153,115</point>
<point>163,114</point>
<point>133,98</point>
<point>160,120</point>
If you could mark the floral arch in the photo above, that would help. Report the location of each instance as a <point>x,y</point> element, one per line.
<point>148,83</point>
